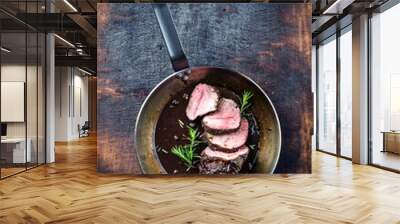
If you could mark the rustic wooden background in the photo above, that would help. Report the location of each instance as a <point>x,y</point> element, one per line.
<point>269,42</point>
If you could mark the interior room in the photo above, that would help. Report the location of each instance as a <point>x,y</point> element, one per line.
<point>87,86</point>
<point>22,103</point>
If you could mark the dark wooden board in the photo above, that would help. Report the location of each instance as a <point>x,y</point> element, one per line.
<point>271,43</point>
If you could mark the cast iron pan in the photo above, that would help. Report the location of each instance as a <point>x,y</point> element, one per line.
<point>184,76</point>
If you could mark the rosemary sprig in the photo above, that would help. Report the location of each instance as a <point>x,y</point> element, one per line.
<point>184,154</point>
<point>245,101</point>
<point>193,136</point>
<point>187,153</point>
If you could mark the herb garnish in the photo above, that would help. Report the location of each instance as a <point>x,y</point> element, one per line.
<point>187,153</point>
<point>245,101</point>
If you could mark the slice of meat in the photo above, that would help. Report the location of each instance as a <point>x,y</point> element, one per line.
<point>232,141</point>
<point>226,119</point>
<point>218,155</point>
<point>216,162</point>
<point>203,100</point>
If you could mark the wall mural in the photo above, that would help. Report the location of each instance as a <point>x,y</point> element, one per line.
<point>204,88</point>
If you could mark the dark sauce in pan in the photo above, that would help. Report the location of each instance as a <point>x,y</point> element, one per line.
<point>170,133</point>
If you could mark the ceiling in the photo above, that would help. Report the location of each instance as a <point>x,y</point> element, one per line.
<point>74,22</point>
<point>332,15</point>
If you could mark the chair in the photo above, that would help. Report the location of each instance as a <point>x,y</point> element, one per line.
<point>84,130</point>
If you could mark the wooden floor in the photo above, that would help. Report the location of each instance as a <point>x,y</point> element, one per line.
<point>70,191</point>
<point>387,159</point>
<point>5,172</point>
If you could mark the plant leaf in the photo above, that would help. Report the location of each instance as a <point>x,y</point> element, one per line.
<point>187,153</point>
<point>245,101</point>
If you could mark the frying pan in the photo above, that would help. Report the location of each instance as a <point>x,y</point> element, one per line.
<point>184,76</point>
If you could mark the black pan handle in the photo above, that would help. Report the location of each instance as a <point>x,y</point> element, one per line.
<point>175,51</point>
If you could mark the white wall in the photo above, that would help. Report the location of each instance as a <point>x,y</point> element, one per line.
<point>71,102</point>
<point>10,73</point>
<point>62,82</point>
<point>12,101</point>
<point>16,73</point>
<point>33,127</point>
<point>80,110</point>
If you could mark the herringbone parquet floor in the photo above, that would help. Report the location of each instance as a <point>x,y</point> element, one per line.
<point>70,191</point>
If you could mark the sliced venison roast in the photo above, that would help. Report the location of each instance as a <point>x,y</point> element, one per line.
<point>218,155</point>
<point>230,142</point>
<point>226,119</point>
<point>203,100</point>
<point>217,162</point>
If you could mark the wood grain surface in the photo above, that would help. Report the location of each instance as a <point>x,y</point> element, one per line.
<point>271,43</point>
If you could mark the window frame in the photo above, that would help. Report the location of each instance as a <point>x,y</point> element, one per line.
<point>334,37</point>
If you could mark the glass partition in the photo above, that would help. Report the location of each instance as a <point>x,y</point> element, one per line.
<point>385,89</point>
<point>22,77</point>
<point>314,91</point>
<point>334,94</point>
<point>327,95</point>
<point>346,93</point>
<point>13,105</point>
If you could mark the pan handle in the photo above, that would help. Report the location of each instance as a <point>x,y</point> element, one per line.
<point>171,39</point>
